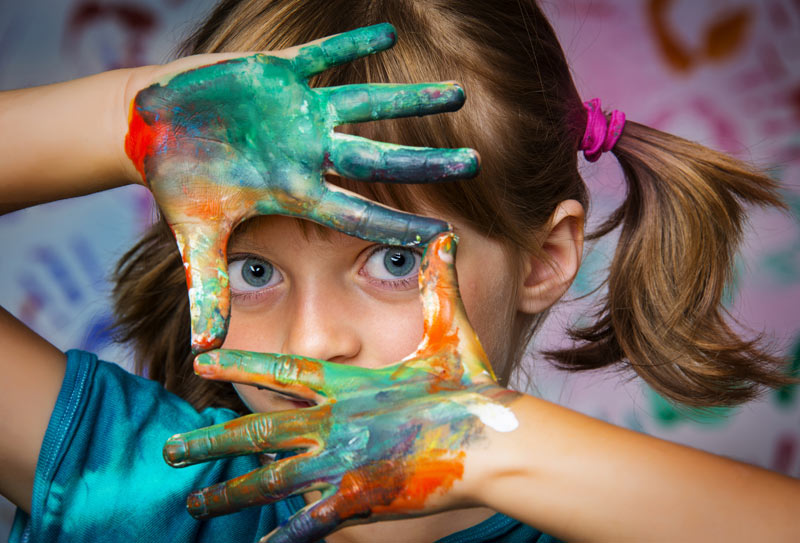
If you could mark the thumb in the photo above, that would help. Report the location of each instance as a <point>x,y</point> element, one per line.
<point>445,322</point>
<point>203,249</point>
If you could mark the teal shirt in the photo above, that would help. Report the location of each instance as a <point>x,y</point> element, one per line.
<point>101,476</point>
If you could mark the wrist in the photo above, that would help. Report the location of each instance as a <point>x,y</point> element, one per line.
<point>499,453</point>
<point>135,79</point>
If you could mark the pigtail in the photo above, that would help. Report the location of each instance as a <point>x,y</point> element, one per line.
<point>680,227</point>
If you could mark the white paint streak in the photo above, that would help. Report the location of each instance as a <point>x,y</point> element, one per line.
<point>444,256</point>
<point>498,417</point>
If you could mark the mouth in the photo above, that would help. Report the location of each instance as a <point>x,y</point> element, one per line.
<point>296,401</point>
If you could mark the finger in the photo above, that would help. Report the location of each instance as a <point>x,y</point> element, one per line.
<point>259,432</point>
<point>361,493</point>
<point>272,483</point>
<point>357,216</point>
<point>446,327</point>
<point>370,102</point>
<point>311,523</point>
<point>305,378</point>
<point>203,250</point>
<point>317,57</point>
<point>367,160</point>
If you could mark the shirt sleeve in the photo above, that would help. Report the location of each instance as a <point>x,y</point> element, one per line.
<point>101,476</point>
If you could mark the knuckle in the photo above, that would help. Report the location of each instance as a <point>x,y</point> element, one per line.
<point>284,369</point>
<point>271,482</point>
<point>259,432</point>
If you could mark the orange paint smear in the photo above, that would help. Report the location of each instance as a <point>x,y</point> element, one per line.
<point>209,200</point>
<point>439,328</point>
<point>435,473</point>
<point>392,487</point>
<point>447,375</point>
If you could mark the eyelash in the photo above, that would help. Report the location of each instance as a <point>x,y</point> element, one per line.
<point>251,295</point>
<point>397,284</point>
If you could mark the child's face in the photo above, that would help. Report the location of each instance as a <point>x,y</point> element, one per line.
<point>342,299</point>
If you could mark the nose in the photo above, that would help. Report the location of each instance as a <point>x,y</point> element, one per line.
<point>318,326</point>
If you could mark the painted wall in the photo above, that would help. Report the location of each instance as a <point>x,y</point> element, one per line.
<point>725,73</point>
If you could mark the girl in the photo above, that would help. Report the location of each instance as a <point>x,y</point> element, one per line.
<point>433,437</point>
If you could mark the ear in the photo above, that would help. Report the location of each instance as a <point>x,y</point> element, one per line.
<point>544,281</point>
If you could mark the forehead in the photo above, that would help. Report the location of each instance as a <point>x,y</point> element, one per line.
<point>267,229</point>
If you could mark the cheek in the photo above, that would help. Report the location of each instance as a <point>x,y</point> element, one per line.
<point>389,331</point>
<point>251,330</point>
<point>487,293</point>
<point>384,328</point>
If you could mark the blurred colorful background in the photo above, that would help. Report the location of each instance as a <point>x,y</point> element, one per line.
<point>725,73</point>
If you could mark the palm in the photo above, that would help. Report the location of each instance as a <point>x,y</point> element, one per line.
<point>379,443</point>
<point>247,136</point>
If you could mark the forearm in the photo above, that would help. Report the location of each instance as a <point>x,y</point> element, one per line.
<point>584,480</point>
<point>65,139</point>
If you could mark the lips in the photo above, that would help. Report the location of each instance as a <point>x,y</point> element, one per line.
<point>296,401</point>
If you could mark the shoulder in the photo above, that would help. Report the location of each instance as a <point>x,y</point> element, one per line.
<point>101,474</point>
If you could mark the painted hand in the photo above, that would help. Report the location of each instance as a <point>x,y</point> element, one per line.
<point>247,136</point>
<point>379,444</point>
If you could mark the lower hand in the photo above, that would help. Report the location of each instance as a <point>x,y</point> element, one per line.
<point>379,444</point>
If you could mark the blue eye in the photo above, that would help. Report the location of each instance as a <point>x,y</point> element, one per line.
<point>392,263</point>
<point>251,273</point>
<point>398,262</point>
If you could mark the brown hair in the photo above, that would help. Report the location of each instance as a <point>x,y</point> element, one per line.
<point>680,222</point>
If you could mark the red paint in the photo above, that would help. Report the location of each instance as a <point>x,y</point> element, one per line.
<point>139,141</point>
<point>205,344</point>
<point>187,268</point>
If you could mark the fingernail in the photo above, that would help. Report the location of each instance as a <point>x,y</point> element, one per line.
<point>175,451</point>
<point>383,34</point>
<point>446,247</point>
<point>205,364</point>
<point>464,164</point>
<point>196,504</point>
<point>204,360</point>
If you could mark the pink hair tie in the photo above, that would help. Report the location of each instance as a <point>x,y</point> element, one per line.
<point>600,136</point>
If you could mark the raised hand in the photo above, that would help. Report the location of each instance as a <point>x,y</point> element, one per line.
<point>247,136</point>
<point>379,444</point>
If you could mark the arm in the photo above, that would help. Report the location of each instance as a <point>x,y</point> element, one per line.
<point>59,141</point>
<point>64,140</point>
<point>582,479</point>
<point>32,371</point>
